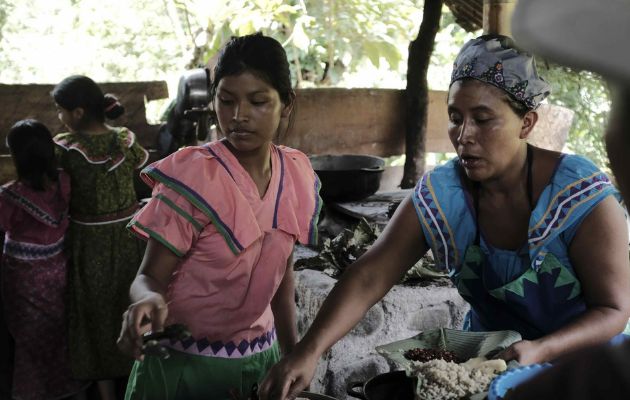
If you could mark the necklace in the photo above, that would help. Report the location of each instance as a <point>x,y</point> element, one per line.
<point>529,188</point>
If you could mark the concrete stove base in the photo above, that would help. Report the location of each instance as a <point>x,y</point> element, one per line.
<point>404,312</point>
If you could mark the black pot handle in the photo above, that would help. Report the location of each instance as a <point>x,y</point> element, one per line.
<point>355,389</point>
<point>376,168</point>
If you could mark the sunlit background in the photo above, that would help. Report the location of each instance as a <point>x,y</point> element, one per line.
<point>43,41</point>
<point>349,43</point>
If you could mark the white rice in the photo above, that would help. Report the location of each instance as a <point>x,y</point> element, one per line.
<point>444,380</point>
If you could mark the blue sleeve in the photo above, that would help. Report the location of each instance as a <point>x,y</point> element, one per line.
<point>583,186</point>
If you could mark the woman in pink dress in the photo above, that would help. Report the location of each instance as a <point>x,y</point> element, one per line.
<point>34,218</point>
<point>221,227</point>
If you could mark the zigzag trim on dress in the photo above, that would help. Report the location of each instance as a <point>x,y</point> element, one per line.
<point>31,251</point>
<point>32,208</point>
<point>203,347</point>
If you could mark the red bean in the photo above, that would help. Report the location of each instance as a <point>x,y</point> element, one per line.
<point>424,355</point>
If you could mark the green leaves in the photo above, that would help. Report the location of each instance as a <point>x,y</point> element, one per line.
<point>382,49</point>
<point>299,38</point>
<point>339,33</point>
<point>587,95</point>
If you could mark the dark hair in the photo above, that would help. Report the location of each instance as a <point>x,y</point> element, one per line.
<point>33,152</point>
<point>517,106</point>
<point>80,91</point>
<point>261,55</point>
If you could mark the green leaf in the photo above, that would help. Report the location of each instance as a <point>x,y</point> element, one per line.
<point>391,54</point>
<point>286,8</point>
<point>246,29</point>
<point>371,51</point>
<point>299,37</point>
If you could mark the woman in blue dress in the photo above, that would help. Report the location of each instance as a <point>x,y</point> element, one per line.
<point>534,240</point>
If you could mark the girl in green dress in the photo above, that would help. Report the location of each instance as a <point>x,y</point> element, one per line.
<point>101,161</point>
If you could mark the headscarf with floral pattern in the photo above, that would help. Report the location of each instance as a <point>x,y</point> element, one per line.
<point>494,59</point>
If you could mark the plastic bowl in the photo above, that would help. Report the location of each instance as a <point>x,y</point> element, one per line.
<point>512,378</point>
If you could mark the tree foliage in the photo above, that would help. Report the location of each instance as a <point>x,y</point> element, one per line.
<point>324,39</point>
<point>43,41</point>
<point>587,95</point>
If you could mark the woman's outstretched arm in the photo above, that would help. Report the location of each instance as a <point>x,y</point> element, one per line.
<point>363,284</point>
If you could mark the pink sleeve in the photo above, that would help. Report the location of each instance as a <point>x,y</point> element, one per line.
<point>301,212</point>
<point>311,205</point>
<point>170,219</point>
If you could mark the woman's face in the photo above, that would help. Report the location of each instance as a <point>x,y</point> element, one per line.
<point>248,110</point>
<point>486,133</point>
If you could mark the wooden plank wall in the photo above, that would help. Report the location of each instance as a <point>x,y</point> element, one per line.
<point>360,121</point>
<point>34,101</point>
<point>327,121</point>
<point>370,121</point>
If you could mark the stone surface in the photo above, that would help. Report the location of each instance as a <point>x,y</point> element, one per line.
<point>552,129</point>
<point>403,313</point>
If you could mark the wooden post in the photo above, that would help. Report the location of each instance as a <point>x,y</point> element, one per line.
<point>497,15</point>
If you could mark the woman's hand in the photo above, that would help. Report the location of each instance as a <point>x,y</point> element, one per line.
<point>289,376</point>
<point>146,315</point>
<point>524,352</point>
<point>148,311</point>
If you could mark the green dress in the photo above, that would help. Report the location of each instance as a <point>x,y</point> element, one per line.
<point>105,256</point>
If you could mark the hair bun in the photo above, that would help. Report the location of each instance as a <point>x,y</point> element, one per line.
<point>113,108</point>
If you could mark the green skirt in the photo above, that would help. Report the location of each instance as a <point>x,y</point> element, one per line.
<point>192,377</point>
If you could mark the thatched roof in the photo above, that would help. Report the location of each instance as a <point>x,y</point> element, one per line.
<point>468,13</point>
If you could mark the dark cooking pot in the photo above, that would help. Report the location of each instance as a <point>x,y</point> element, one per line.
<point>348,177</point>
<point>300,396</point>
<point>389,386</point>
<point>314,396</point>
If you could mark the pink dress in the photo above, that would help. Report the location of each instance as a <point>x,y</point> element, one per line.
<point>233,245</point>
<point>34,286</point>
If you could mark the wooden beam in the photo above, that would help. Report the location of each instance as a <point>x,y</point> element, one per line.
<point>497,16</point>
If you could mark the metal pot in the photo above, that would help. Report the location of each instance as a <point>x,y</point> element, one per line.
<point>389,386</point>
<point>301,395</point>
<point>348,177</point>
<point>314,396</point>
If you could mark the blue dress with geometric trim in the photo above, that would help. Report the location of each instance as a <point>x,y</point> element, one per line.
<point>533,290</point>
